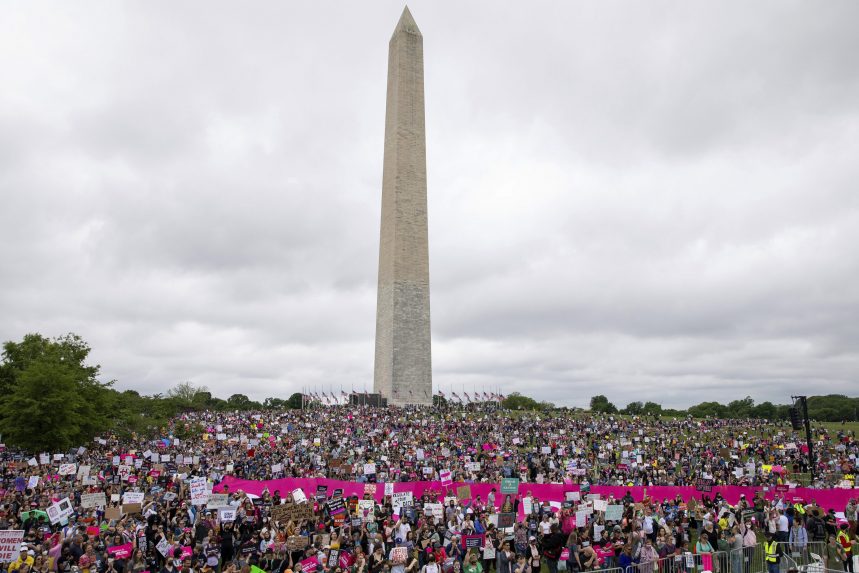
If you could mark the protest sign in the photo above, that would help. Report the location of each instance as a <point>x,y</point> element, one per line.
<point>463,492</point>
<point>131,508</point>
<point>132,497</point>
<point>89,500</point>
<point>402,499</point>
<point>336,505</point>
<point>389,489</point>
<point>702,484</point>
<point>309,565</point>
<point>298,495</point>
<point>365,509</point>
<point>613,512</point>
<point>434,509</point>
<point>163,547</point>
<point>333,558</point>
<point>369,468</point>
<point>67,469</point>
<point>32,482</point>
<point>199,491</point>
<point>506,520</point>
<point>297,542</point>
<point>291,512</point>
<point>226,514</point>
<point>217,500</point>
<point>121,551</point>
<point>399,555</point>
<point>510,485</point>
<point>528,505</point>
<point>473,541</point>
<point>445,476</point>
<point>346,559</point>
<point>10,544</point>
<point>370,488</point>
<point>60,511</point>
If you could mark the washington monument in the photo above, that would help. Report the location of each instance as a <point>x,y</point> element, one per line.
<point>403,370</point>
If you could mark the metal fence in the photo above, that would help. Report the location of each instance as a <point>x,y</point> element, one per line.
<point>684,563</point>
<point>808,557</point>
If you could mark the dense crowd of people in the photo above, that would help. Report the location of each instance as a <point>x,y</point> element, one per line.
<point>159,512</point>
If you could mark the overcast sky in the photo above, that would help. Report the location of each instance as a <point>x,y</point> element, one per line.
<point>647,200</point>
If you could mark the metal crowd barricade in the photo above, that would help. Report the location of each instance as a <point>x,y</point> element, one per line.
<point>608,570</point>
<point>753,559</point>
<point>806,557</point>
<point>717,562</point>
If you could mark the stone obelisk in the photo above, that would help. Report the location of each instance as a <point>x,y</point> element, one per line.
<point>403,370</point>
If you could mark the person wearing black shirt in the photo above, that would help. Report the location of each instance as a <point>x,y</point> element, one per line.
<point>551,546</point>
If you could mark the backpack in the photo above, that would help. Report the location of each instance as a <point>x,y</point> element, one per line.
<point>819,530</point>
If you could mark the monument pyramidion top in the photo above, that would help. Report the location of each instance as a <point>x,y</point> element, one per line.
<point>407,24</point>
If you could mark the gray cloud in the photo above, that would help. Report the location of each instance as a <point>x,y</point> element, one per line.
<point>650,201</point>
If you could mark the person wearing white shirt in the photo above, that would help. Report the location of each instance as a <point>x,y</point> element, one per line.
<point>782,528</point>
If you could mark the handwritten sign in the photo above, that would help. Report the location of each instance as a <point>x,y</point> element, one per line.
<point>93,500</point>
<point>67,469</point>
<point>199,492</point>
<point>132,497</point>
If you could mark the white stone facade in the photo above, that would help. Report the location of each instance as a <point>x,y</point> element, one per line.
<point>403,368</point>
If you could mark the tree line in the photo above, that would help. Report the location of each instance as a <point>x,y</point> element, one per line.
<point>828,408</point>
<point>53,400</point>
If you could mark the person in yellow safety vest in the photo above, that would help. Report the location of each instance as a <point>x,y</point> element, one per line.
<point>771,553</point>
<point>843,539</point>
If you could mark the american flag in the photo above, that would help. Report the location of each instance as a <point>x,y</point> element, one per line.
<point>467,397</point>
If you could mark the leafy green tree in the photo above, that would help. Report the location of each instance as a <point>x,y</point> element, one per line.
<point>517,401</point>
<point>294,402</point>
<point>242,402</point>
<point>55,400</point>
<point>600,404</point>
<point>833,408</point>
<point>274,404</point>
<point>633,409</point>
<point>740,409</point>
<point>708,409</point>
<point>651,409</point>
<point>765,411</point>
<point>186,392</point>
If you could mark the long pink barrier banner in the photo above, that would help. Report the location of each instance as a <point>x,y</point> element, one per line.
<point>826,498</point>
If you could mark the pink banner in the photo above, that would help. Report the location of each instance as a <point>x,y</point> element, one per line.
<point>826,498</point>
<point>121,551</point>
<point>309,565</point>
